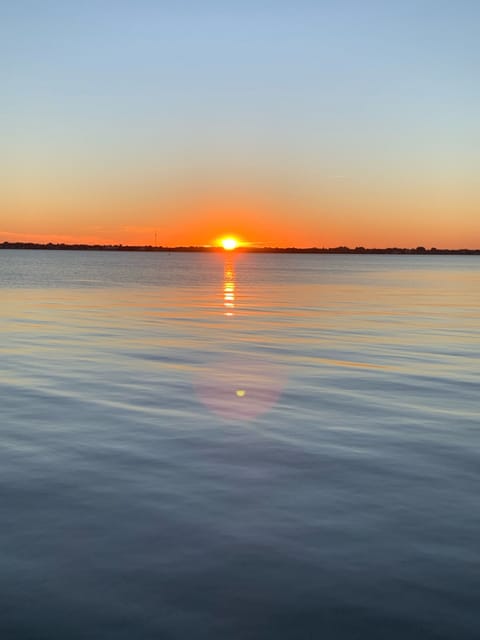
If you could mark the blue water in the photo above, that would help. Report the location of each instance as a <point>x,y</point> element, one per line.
<point>247,446</point>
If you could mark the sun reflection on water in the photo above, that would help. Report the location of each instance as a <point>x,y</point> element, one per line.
<point>229,287</point>
<point>238,385</point>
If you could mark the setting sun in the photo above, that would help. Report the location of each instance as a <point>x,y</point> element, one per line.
<point>229,244</point>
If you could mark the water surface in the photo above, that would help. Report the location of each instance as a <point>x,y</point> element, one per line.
<point>239,446</point>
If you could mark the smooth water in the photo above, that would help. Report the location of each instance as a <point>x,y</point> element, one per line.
<point>239,446</point>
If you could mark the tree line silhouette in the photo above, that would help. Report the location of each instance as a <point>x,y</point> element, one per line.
<point>50,246</point>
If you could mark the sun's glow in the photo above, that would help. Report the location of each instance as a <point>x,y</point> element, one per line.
<point>229,243</point>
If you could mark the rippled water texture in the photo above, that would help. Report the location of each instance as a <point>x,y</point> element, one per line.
<point>239,446</point>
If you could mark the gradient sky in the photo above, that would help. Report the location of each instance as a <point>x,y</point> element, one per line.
<point>287,123</point>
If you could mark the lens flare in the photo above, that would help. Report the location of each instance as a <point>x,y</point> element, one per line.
<point>240,388</point>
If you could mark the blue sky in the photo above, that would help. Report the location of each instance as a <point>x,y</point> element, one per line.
<point>382,95</point>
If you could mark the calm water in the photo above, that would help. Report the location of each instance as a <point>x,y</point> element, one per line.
<point>239,447</point>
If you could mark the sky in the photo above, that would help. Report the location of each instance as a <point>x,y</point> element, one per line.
<point>305,123</point>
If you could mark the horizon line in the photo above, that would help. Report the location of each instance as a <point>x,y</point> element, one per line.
<point>78,246</point>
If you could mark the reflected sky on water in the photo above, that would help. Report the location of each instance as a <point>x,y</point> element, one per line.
<point>306,467</point>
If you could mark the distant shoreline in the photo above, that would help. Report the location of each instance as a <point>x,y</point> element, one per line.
<point>195,249</point>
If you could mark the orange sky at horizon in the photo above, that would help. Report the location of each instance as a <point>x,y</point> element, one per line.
<point>200,216</point>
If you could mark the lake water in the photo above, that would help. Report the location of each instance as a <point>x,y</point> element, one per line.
<point>239,446</point>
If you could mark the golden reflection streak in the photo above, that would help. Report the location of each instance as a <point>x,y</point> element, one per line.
<point>229,286</point>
